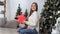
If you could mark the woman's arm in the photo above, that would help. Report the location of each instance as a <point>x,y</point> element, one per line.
<point>31,23</point>
<point>32,20</point>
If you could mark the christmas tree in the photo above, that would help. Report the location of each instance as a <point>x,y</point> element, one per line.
<point>18,11</point>
<point>26,13</point>
<point>50,10</point>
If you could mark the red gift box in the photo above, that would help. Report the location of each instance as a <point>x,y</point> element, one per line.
<point>21,18</point>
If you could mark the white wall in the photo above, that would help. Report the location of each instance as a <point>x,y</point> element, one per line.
<point>12,6</point>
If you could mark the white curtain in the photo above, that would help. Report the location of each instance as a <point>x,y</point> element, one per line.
<point>1,15</point>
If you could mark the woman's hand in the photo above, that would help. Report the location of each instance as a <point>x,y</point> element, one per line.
<point>25,21</point>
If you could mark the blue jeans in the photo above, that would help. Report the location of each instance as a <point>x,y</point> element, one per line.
<point>27,31</point>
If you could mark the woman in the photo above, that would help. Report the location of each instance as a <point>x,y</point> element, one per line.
<point>32,21</point>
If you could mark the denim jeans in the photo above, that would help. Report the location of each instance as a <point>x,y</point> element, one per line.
<point>27,31</point>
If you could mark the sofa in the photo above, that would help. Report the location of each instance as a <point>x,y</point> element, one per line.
<point>3,21</point>
<point>8,27</point>
<point>12,24</point>
<point>8,24</point>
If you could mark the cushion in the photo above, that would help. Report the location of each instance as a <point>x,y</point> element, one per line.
<point>11,24</point>
<point>3,22</point>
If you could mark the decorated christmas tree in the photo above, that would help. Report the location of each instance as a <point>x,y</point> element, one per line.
<point>50,12</point>
<point>18,11</point>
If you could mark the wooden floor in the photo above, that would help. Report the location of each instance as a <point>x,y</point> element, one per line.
<point>8,31</point>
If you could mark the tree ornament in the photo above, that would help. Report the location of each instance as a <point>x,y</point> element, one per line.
<point>50,16</point>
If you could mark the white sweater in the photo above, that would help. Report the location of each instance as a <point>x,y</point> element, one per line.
<point>33,20</point>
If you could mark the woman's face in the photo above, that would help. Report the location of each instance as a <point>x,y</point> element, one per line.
<point>33,7</point>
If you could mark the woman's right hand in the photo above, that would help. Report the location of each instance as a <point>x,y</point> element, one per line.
<point>25,21</point>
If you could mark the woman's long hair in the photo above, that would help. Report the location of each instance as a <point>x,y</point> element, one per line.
<point>31,11</point>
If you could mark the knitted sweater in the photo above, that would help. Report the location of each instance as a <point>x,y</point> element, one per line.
<point>33,21</point>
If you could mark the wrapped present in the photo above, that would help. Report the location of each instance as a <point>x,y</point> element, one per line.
<point>21,18</point>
